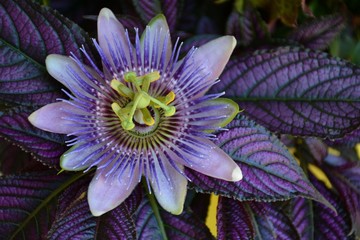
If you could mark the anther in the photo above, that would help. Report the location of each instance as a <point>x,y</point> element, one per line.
<point>137,108</point>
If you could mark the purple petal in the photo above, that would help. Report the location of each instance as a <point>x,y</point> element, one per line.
<point>67,72</point>
<point>53,118</point>
<point>105,194</point>
<point>212,113</point>
<point>158,34</point>
<point>212,58</point>
<point>170,189</point>
<point>74,158</point>
<point>211,161</point>
<point>111,35</point>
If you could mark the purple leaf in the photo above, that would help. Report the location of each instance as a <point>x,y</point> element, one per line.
<point>349,140</point>
<point>131,22</point>
<point>12,158</point>
<point>45,147</point>
<point>21,195</point>
<point>205,26</point>
<point>329,224</point>
<point>75,221</point>
<point>147,9</point>
<point>170,9</point>
<point>295,91</point>
<point>234,220</point>
<point>317,148</point>
<point>270,172</point>
<point>246,27</point>
<point>272,222</point>
<point>319,33</point>
<point>302,218</point>
<point>119,223</point>
<point>28,34</point>
<point>346,180</point>
<point>177,227</point>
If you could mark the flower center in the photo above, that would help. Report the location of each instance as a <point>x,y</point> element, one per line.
<point>140,100</point>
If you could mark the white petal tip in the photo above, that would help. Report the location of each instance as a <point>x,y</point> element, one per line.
<point>233,41</point>
<point>236,174</point>
<point>106,13</point>
<point>177,210</point>
<point>97,213</point>
<point>32,118</point>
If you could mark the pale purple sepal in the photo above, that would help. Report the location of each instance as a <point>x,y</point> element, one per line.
<point>105,194</point>
<point>170,190</point>
<point>211,161</point>
<point>213,56</point>
<point>54,118</point>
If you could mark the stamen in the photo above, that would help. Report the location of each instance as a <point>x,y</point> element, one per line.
<point>147,118</point>
<point>168,110</point>
<point>140,100</point>
<point>121,88</point>
<point>167,99</point>
<point>117,110</point>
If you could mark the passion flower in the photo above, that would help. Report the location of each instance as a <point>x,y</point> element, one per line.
<point>143,115</point>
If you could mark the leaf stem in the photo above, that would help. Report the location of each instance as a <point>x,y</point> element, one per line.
<point>48,199</point>
<point>155,208</point>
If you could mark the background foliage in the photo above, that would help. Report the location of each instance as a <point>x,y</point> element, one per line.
<point>294,72</point>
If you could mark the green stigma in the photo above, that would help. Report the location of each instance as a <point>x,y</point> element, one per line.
<point>140,100</point>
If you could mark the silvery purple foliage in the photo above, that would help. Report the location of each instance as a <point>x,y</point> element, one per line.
<point>270,172</point>
<point>318,33</point>
<point>299,91</point>
<point>295,91</point>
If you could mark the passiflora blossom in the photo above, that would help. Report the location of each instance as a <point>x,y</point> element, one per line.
<point>144,115</point>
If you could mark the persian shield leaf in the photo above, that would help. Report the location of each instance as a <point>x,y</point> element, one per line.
<point>46,147</point>
<point>234,220</point>
<point>251,220</point>
<point>185,226</point>
<point>270,172</point>
<point>302,216</point>
<point>28,33</point>
<point>75,221</point>
<point>23,209</point>
<point>272,222</point>
<point>295,91</point>
<point>319,33</point>
<point>346,180</point>
<point>330,224</point>
<point>246,27</point>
